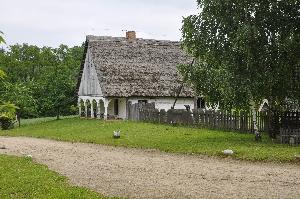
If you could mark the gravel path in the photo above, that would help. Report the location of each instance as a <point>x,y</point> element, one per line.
<point>136,173</point>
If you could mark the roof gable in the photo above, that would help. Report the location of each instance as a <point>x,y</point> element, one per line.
<point>89,85</point>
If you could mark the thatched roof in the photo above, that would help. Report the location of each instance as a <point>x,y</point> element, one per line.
<point>138,68</point>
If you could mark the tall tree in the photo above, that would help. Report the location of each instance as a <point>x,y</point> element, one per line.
<point>246,51</point>
<point>1,38</point>
<point>7,110</point>
<point>22,62</point>
<point>44,79</point>
<point>22,96</point>
<point>2,74</point>
<point>59,80</point>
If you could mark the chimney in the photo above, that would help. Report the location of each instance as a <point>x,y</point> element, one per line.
<point>130,35</point>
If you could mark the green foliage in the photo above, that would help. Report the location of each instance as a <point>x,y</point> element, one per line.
<point>6,121</point>
<point>1,38</point>
<point>41,81</point>
<point>9,109</point>
<point>22,97</point>
<point>157,136</point>
<point>245,51</point>
<point>22,178</point>
<point>7,115</point>
<point>2,75</point>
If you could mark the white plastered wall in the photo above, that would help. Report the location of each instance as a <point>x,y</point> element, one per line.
<point>166,103</point>
<point>122,108</point>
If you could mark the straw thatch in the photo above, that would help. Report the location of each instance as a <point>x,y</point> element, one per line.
<point>137,68</point>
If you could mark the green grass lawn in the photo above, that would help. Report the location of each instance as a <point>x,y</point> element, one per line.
<point>41,120</point>
<point>22,178</point>
<point>163,137</point>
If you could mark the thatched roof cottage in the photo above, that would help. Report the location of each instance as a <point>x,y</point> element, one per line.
<point>119,70</point>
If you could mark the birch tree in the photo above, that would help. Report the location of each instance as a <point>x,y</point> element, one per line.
<point>245,51</point>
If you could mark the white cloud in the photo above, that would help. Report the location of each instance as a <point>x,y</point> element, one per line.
<point>68,21</point>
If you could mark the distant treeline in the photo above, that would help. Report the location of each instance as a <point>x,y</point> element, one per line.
<point>41,81</point>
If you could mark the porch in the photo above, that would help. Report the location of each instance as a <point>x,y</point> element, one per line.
<point>102,107</point>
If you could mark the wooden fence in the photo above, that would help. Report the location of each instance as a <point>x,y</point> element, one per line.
<point>289,124</point>
<point>231,121</point>
<point>289,136</point>
<point>289,119</point>
<point>228,121</point>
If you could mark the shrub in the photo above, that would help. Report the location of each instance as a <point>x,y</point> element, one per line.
<point>6,121</point>
<point>7,115</point>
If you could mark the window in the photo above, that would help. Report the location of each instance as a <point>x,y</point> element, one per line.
<point>116,107</point>
<point>201,103</point>
<point>142,101</point>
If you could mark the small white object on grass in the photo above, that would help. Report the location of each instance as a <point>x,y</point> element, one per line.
<point>28,156</point>
<point>228,152</point>
<point>117,134</point>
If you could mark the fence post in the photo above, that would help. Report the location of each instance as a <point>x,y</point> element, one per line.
<point>196,116</point>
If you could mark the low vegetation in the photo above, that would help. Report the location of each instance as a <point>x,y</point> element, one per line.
<point>22,178</point>
<point>7,115</point>
<point>163,137</point>
<point>25,122</point>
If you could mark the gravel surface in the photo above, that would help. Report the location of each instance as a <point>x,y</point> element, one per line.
<point>136,173</point>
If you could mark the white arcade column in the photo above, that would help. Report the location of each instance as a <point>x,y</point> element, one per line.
<point>85,108</point>
<point>79,107</point>
<point>92,110</point>
<point>98,110</point>
<point>106,102</point>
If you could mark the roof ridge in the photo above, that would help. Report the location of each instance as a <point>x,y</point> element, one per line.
<point>111,38</point>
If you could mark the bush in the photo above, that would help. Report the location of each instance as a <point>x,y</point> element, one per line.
<point>7,115</point>
<point>6,121</point>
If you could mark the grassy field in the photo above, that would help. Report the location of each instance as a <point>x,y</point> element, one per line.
<point>156,136</point>
<point>22,178</point>
<point>41,120</point>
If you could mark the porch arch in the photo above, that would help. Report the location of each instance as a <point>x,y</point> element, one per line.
<point>93,106</point>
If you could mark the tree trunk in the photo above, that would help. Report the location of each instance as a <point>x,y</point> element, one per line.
<point>181,86</point>
<point>272,120</point>
<point>254,122</point>
<point>178,93</point>
<point>57,113</point>
<point>19,118</point>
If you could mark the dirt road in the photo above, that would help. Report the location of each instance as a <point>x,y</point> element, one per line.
<point>136,173</point>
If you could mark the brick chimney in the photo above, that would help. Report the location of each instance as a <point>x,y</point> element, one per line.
<point>130,35</point>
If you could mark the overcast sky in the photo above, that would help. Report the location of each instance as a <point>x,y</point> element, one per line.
<point>52,22</point>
